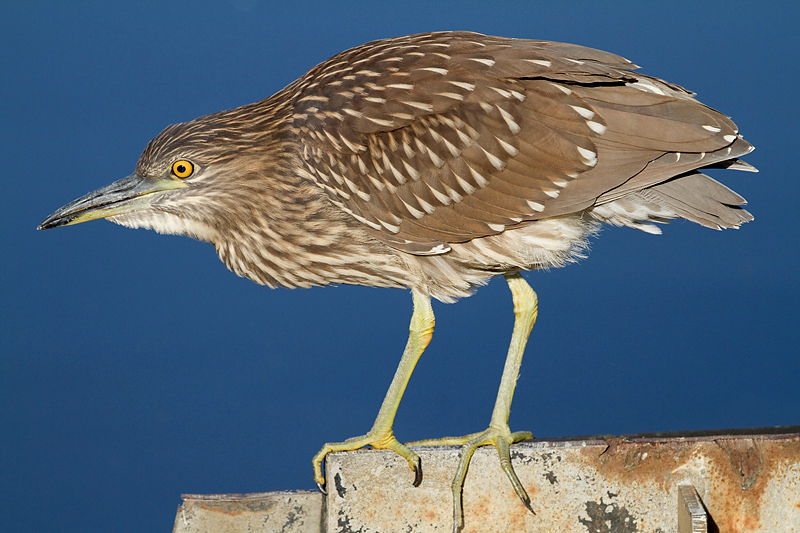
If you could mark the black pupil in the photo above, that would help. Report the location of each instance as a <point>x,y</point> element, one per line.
<point>181,169</point>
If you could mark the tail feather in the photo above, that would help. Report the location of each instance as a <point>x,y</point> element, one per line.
<point>701,199</point>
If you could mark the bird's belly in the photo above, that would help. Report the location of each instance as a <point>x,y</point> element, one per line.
<point>548,243</point>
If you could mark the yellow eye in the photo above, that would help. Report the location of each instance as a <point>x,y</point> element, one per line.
<point>182,168</point>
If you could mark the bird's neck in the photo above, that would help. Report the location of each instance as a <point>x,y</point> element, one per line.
<point>287,231</point>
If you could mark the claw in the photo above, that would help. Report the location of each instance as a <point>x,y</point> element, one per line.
<point>418,474</point>
<point>504,452</point>
<point>321,488</point>
<point>528,505</point>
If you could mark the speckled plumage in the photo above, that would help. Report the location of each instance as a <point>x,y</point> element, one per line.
<point>436,161</point>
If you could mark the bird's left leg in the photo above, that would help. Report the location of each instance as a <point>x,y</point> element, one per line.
<point>381,435</point>
<point>498,434</point>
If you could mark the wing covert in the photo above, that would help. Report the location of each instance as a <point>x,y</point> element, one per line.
<point>443,138</point>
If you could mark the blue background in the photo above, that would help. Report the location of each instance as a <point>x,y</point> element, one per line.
<point>135,368</point>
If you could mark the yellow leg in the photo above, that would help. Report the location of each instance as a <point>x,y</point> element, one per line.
<point>498,432</point>
<point>381,435</point>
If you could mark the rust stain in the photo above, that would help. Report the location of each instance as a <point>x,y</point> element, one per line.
<point>220,510</point>
<point>744,470</point>
<point>626,461</point>
<point>232,508</point>
<point>740,469</point>
<point>745,458</point>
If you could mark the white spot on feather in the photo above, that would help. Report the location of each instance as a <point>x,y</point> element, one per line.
<point>442,71</point>
<point>402,116</point>
<point>582,111</point>
<point>452,96</point>
<point>443,198</point>
<point>427,207</point>
<point>565,90</point>
<point>463,84</point>
<point>420,105</point>
<point>361,166</point>
<point>596,127</point>
<point>487,62</point>
<point>391,227</point>
<point>510,150</point>
<point>466,139</point>
<point>380,122</point>
<point>313,98</point>
<point>416,213</point>
<point>589,156</point>
<point>509,119</point>
<point>363,220</point>
<point>439,249</point>
<point>712,129</point>
<point>435,159</point>
<point>465,185</point>
<point>494,160</point>
<point>647,86</point>
<point>453,194</point>
<point>401,179</point>
<point>479,179</point>
<point>536,206</point>
<point>540,62</point>
<point>404,86</point>
<point>454,151</point>
<point>352,112</point>
<point>502,92</point>
<point>411,171</point>
<point>353,147</point>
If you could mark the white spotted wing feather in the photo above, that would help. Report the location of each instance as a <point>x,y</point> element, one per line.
<point>437,139</point>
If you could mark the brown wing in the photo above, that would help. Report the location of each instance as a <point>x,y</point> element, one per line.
<point>442,138</point>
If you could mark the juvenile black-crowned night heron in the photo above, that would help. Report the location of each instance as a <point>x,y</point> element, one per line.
<point>433,162</point>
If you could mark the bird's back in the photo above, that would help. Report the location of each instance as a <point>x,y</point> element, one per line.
<point>471,155</point>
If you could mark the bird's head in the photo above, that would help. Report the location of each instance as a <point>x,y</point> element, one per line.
<point>186,181</point>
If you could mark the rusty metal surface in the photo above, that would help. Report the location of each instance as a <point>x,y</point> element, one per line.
<point>748,483</point>
<point>271,512</point>
<point>744,482</point>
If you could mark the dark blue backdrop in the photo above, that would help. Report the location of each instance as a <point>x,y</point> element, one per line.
<point>134,367</point>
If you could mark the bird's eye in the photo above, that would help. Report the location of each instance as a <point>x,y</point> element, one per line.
<point>182,168</point>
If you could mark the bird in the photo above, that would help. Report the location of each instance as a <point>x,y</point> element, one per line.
<point>433,163</point>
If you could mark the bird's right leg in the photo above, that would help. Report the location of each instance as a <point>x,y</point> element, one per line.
<point>381,436</point>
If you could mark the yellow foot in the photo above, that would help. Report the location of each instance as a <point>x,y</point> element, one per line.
<point>380,441</point>
<point>501,438</point>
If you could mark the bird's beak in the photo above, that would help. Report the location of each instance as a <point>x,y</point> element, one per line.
<point>133,193</point>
